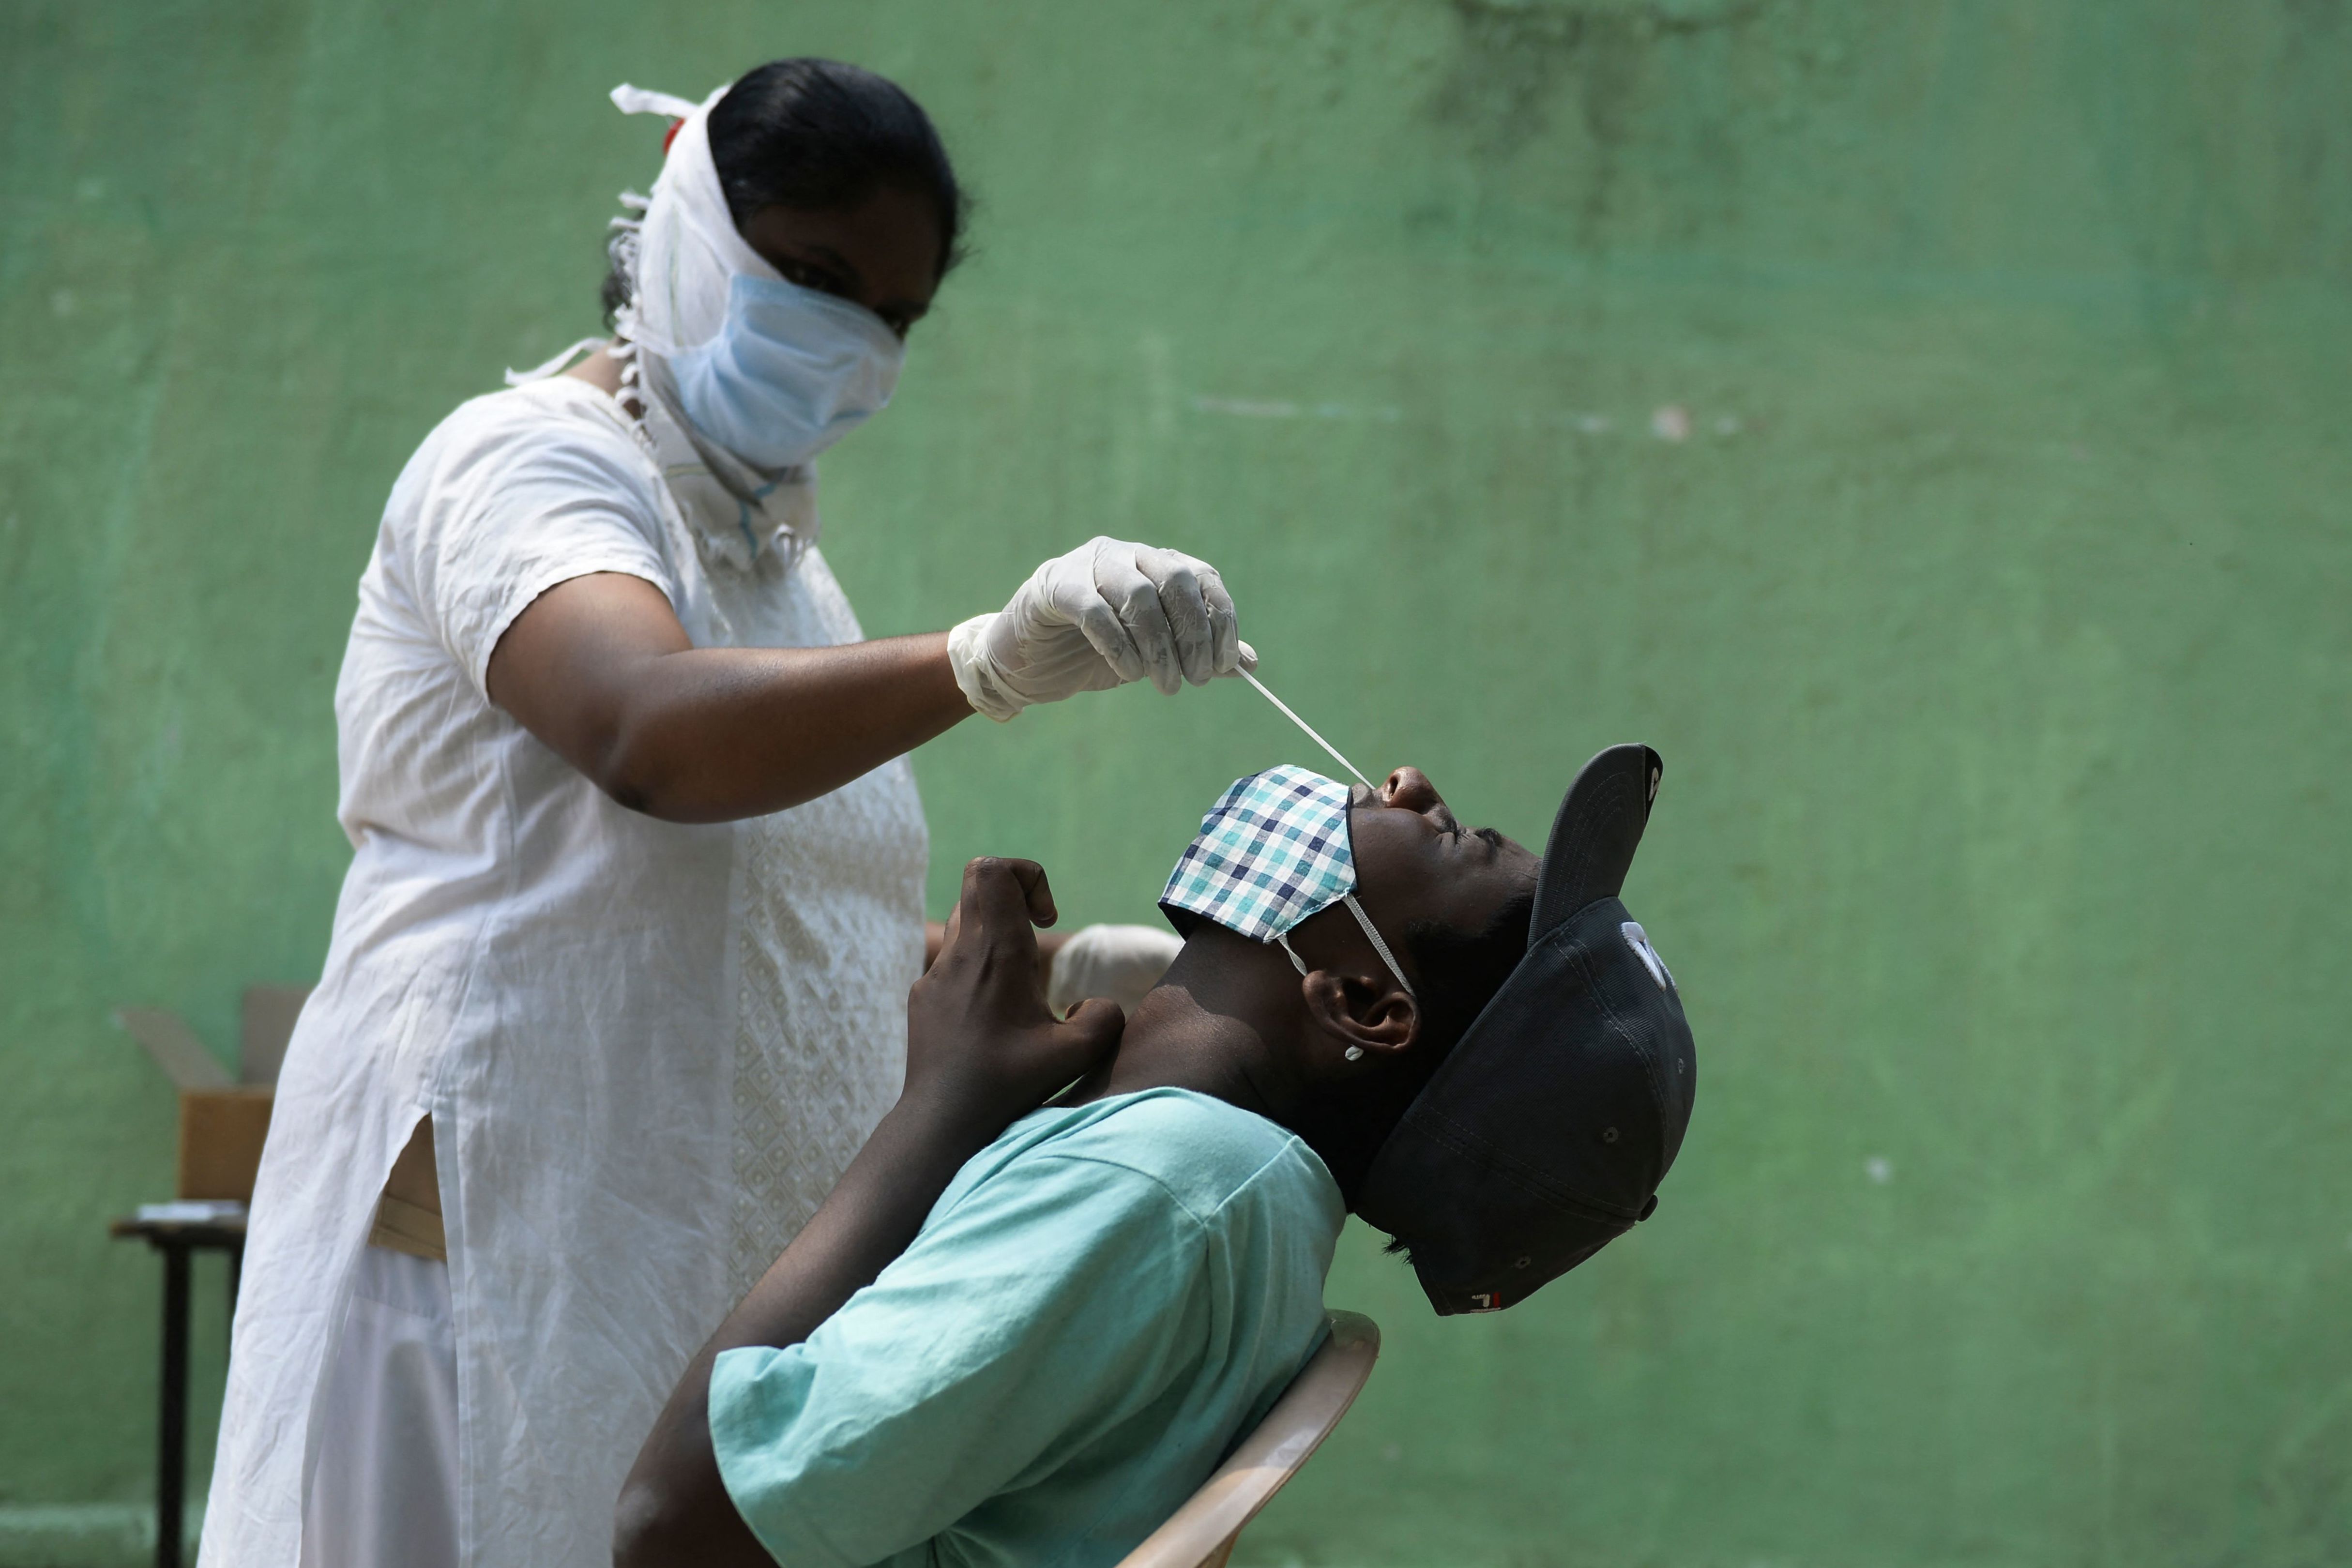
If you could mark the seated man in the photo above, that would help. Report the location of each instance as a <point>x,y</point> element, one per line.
<point>1028,1343</point>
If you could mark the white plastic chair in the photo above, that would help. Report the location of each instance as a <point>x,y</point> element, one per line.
<point>1201,1534</point>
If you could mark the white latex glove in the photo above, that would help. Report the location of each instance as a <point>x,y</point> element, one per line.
<point>1108,612</point>
<point>1121,963</point>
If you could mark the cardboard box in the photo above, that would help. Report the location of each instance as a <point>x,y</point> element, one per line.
<point>221,1134</point>
<point>223,1121</point>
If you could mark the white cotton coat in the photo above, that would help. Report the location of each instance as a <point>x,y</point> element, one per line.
<point>648,1050</point>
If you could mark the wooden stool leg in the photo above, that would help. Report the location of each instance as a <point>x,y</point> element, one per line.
<point>171,1438</point>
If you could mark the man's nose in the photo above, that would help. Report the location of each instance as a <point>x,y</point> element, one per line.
<point>1409,789</point>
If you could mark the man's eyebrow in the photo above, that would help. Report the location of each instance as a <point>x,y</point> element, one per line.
<point>1494,839</point>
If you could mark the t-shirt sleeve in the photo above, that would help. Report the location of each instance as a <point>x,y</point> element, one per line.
<point>519,499</point>
<point>1060,1297</point>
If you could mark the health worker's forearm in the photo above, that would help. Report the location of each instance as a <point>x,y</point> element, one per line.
<point>716,734</point>
<point>600,668</point>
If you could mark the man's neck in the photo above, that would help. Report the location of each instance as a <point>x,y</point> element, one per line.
<point>1215,1025</point>
<point>1225,1023</point>
<point>1172,1041</point>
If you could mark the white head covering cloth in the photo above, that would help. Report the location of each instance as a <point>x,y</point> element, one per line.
<point>687,247</point>
<point>679,258</point>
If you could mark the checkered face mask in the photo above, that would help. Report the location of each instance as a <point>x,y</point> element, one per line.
<point>1272,852</point>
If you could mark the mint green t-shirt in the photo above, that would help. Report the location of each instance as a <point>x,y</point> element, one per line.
<point>1098,1308</point>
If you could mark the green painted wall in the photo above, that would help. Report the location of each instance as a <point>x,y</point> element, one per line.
<point>1990,617</point>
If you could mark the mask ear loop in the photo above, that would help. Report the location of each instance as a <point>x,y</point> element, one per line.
<point>1387,957</point>
<point>1379,946</point>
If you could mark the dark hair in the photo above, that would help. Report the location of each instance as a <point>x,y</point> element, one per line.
<point>821,136</point>
<point>1460,973</point>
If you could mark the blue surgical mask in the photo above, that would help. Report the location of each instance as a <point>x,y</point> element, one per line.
<point>1273,852</point>
<point>790,373</point>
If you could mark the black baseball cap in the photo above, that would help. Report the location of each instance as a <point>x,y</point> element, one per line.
<point>1545,1132</point>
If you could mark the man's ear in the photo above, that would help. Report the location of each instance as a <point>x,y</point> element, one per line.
<point>1373,1015</point>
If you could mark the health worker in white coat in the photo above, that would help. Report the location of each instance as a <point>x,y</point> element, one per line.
<point>618,981</point>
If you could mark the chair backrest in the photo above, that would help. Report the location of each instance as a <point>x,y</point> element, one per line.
<point>1201,1534</point>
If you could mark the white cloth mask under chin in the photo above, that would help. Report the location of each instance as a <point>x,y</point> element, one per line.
<point>788,373</point>
<point>1271,853</point>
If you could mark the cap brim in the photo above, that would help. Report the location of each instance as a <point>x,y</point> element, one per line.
<point>1595,837</point>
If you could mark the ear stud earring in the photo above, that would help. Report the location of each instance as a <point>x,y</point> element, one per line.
<point>1355,1052</point>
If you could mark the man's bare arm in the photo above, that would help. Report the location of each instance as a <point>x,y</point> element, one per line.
<point>981,1049</point>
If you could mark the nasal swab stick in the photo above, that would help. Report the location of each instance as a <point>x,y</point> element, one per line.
<point>1303,724</point>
